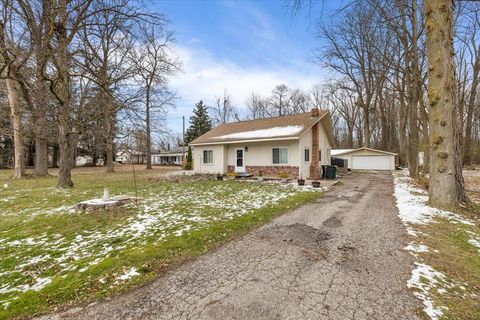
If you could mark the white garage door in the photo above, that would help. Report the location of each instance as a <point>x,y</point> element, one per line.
<point>371,162</point>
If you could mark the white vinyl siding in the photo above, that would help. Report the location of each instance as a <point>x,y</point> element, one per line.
<point>280,155</point>
<point>207,156</point>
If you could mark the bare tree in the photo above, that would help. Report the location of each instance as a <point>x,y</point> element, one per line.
<point>469,66</point>
<point>13,58</point>
<point>154,62</point>
<point>257,107</point>
<point>107,39</point>
<point>350,51</point>
<point>224,111</point>
<point>299,101</point>
<point>38,19</point>
<point>67,19</point>
<point>280,101</point>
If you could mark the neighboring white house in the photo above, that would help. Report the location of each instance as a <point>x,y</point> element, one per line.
<point>81,161</point>
<point>169,157</point>
<point>366,158</point>
<point>130,156</point>
<point>295,144</point>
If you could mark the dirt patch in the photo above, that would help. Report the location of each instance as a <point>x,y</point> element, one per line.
<point>348,255</point>
<point>297,234</point>
<point>332,222</point>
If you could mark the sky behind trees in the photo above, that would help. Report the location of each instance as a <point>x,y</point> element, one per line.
<point>240,46</point>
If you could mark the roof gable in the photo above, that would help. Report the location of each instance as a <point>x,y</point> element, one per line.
<point>277,128</point>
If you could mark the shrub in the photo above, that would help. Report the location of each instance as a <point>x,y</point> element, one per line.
<point>188,164</point>
<point>283,175</point>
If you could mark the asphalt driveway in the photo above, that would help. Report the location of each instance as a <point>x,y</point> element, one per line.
<point>338,258</point>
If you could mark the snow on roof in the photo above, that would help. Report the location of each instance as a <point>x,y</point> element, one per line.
<point>263,133</point>
<point>335,152</point>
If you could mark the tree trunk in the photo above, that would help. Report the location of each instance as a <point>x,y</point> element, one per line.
<point>109,144</point>
<point>55,156</point>
<point>19,171</point>
<point>64,108</point>
<point>366,127</point>
<point>147,123</point>
<point>40,105</point>
<point>443,187</point>
<point>65,159</point>
<point>413,88</point>
<point>402,127</point>
<point>41,147</point>
<point>425,137</point>
<point>469,122</point>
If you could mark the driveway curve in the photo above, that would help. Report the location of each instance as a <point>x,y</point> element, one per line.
<point>339,258</point>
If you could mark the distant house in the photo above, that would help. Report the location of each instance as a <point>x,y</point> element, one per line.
<point>169,157</point>
<point>130,156</point>
<point>81,161</point>
<point>366,158</point>
<point>295,144</point>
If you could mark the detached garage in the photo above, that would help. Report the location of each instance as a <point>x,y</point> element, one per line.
<point>366,158</point>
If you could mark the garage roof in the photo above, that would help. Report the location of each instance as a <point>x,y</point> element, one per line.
<point>338,152</point>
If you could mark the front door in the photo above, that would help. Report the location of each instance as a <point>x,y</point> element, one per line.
<point>239,160</point>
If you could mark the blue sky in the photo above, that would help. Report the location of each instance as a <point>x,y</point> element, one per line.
<point>238,46</point>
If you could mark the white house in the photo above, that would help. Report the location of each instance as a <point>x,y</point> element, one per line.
<point>366,158</point>
<point>81,161</point>
<point>130,156</point>
<point>169,157</point>
<point>295,144</point>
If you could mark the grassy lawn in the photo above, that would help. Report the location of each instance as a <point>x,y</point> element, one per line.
<point>447,249</point>
<point>52,255</point>
<point>459,260</point>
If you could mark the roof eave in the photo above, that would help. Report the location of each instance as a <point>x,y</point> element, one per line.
<point>364,148</point>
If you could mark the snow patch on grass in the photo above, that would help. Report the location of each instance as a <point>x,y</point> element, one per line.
<point>128,275</point>
<point>413,209</point>
<point>474,240</point>
<point>414,248</point>
<point>170,210</point>
<point>425,278</point>
<point>412,203</point>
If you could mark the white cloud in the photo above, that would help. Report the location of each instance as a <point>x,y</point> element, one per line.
<point>205,77</point>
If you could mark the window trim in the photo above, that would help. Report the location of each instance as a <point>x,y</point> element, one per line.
<point>288,156</point>
<point>309,157</point>
<point>203,157</point>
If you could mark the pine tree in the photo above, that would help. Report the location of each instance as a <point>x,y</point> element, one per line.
<point>188,164</point>
<point>200,122</point>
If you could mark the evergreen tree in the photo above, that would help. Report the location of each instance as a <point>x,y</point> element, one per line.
<point>188,164</point>
<point>200,122</point>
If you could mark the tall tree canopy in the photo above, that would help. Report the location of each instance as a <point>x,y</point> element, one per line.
<point>200,122</point>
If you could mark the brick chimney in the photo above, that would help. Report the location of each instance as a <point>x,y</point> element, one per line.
<point>314,164</point>
<point>314,112</point>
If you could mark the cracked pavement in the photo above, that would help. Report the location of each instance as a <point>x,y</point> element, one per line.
<point>338,258</point>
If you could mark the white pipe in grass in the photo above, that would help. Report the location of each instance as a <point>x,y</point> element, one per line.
<point>106,194</point>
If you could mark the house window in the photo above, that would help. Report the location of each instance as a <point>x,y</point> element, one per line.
<point>306,153</point>
<point>207,156</point>
<point>280,155</point>
<point>319,155</point>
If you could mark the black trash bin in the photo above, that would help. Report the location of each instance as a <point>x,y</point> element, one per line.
<point>324,171</point>
<point>331,172</point>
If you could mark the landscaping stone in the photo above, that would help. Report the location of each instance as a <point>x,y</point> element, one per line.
<point>98,204</point>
